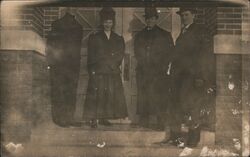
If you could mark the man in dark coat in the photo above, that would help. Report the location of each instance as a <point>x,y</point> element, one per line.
<point>63,56</point>
<point>193,70</point>
<point>152,47</point>
<point>105,96</point>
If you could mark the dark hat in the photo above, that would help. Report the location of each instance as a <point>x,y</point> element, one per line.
<point>183,9</point>
<point>151,12</point>
<point>107,13</point>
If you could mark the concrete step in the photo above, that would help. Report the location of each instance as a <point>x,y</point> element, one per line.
<point>117,135</point>
<point>49,140</point>
<point>107,151</point>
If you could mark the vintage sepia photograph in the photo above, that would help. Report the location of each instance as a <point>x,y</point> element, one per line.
<point>125,78</point>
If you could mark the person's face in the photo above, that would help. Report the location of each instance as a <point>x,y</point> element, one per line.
<point>151,21</point>
<point>187,17</point>
<point>108,24</point>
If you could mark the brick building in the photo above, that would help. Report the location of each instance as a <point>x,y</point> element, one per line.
<point>24,77</point>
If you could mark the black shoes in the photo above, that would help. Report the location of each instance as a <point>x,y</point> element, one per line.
<point>180,140</point>
<point>69,124</point>
<point>94,123</point>
<point>105,122</point>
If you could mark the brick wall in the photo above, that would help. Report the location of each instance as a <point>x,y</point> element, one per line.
<point>221,20</point>
<point>210,20</point>
<point>229,20</point>
<point>50,14</point>
<point>229,97</point>
<point>229,70</point>
<point>25,18</point>
<point>200,16</point>
<point>24,93</point>
<point>23,72</point>
<point>234,24</point>
<point>38,20</point>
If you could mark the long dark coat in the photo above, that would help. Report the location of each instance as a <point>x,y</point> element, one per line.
<point>63,56</point>
<point>194,73</point>
<point>152,49</point>
<point>105,95</point>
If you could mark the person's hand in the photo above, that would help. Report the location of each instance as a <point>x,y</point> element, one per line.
<point>168,72</point>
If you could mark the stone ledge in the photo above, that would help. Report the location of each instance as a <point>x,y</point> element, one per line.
<point>24,82</point>
<point>230,44</point>
<point>22,40</point>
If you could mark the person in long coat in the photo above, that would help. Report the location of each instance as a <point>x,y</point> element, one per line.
<point>105,95</point>
<point>152,48</point>
<point>194,77</point>
<point>63,56</point>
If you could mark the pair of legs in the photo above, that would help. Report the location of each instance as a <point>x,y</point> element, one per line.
<point>177,136</point>
<point>184,109</point>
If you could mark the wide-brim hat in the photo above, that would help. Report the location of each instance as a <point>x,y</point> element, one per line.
<point>107,13</point>
<point>183,9</point>
<point>150,12</point>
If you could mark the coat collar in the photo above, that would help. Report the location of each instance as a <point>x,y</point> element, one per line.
<point>190,27</point>
<point>105,36</point>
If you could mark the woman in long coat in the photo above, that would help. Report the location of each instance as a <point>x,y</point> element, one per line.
<point>105,96</point>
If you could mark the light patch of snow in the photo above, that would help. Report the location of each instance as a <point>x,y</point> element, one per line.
<point>186,151</point>
<point>101,145</point>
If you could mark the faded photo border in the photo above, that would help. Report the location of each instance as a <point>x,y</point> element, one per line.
<point>27,127</point>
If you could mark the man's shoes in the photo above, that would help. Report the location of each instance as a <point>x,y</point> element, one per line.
<point>179,142</point>
<point>105,122</point>
<point>92,123</point>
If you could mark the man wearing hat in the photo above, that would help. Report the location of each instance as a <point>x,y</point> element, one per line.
<point>152,48</point>
<point>193,70</point>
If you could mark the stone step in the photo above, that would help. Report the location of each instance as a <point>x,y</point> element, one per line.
<point>85,136</point>
<point>107,151</point>
<point>117,135</point>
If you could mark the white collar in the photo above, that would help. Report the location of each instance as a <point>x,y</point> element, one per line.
<point>107,34</point>
<point>187,26</point>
